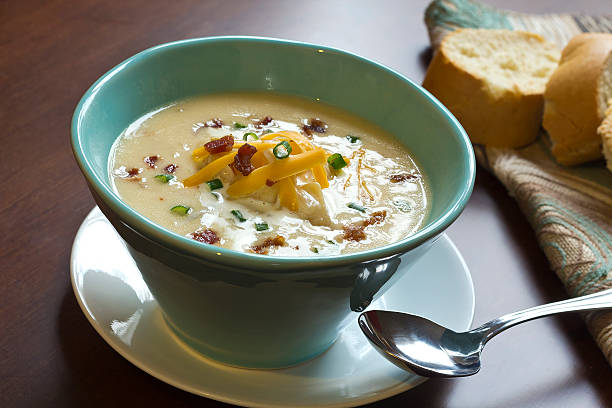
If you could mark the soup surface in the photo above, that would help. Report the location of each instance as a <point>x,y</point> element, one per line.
<point>269,174</point>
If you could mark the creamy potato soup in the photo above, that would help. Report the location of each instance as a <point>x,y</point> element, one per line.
<point>269,174</point>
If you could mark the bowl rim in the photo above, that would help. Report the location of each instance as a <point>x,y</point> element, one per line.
<point>270,263</point>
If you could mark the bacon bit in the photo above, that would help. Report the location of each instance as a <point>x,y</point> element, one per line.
<point>263,122</point>
<point>224,144</point>
<point>170,168</point>
<point>151,160</point>
<point>375,218</point>
<point>314,125</point>
<point>270,183</point>
<point>161,198</point>
<point>242,160</point>
<point>264,247</point>
<point>207,236</point>
<point>231,166</point>
<point>133,172</point>
<point>214,123</point>
<point>398,178</point>
<point>354,232</point>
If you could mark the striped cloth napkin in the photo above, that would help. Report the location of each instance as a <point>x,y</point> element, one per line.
<point>570,209</point>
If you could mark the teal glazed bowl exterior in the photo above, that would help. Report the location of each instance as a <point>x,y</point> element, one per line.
<point>246,309</point>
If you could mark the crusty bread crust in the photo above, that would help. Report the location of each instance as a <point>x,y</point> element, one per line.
<point>573,108</point>
<point>510,121</point>
<point>491,115</point>
<point>605,133</point>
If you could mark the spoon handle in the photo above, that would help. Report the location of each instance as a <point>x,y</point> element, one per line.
<point>599,300</point>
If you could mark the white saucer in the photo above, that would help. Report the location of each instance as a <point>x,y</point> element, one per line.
<point>116,301</point>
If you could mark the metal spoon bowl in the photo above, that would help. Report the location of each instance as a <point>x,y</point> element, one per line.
<point>419,345</point>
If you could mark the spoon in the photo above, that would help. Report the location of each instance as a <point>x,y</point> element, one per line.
<point>419,345</point>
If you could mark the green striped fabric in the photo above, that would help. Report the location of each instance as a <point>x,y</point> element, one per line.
<point>570,209</point>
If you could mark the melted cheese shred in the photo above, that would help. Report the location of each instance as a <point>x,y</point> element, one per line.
<point>304,144</point>
<point>287,194</point>
<point>276,171</point>
<point>215,166</point>
<point>208,172</point>
<point>304,156</point>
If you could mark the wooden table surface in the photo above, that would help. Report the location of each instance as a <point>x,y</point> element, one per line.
<point>51,51</point>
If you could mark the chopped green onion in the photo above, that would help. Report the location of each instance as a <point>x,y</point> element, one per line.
<point>282,150</point>
<point>181,209</point>
<point>216,195</point>
<point>402,205</point>
<point>265,132</point>
<point>239,125</point>
<point>329,241</point>
<point>246,136</point>
<point>352,139</point>
<point>261,226</point>
<point>214,184</point>
<point>164,178</point>
<point>315,250</point>
<point>336,161</point>
<point>357,207</point>
<point>238,215</point>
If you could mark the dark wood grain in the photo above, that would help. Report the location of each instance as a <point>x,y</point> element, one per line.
<point>51,51</point>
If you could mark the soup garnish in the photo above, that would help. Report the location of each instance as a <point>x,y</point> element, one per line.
<point>270,174</point>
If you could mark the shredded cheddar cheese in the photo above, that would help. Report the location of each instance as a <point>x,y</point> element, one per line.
<point>304,157</point>
<point>287,194</point>
<point>304,144</point>
<point>200,154</point>
<point>259,159</point>
<point>209,171</point>
<point>275,171</point>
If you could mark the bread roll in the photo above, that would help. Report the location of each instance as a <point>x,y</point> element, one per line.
<point>605,133</point>
<point>576,98</point>
<point>493,82</point>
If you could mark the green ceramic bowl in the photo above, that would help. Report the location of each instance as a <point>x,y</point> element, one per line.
<point>246,309</point>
